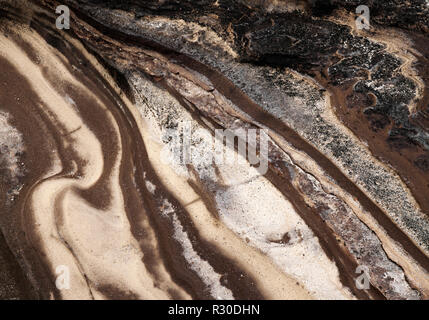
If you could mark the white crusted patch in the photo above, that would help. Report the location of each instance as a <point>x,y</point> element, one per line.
<point>150,186</point>
<point>11,146</point>
<point>204,270</point>
<point>253,208</point>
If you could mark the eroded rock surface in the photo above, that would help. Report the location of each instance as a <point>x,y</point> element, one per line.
<point>95,119</point>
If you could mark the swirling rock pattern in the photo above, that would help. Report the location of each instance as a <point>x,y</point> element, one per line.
<point>84,120</point>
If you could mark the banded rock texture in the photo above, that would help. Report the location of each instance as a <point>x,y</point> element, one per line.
<point>85,117</point>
